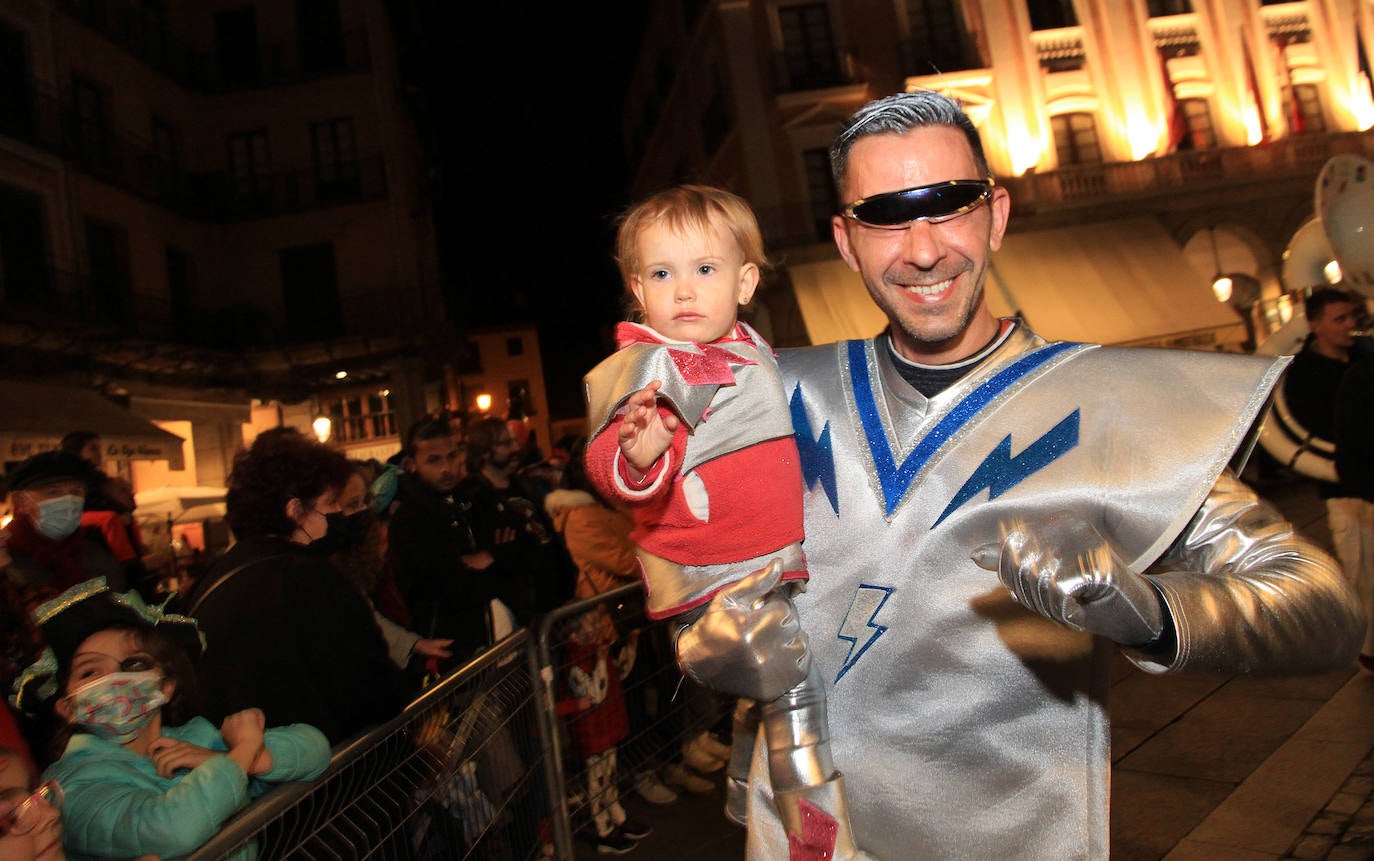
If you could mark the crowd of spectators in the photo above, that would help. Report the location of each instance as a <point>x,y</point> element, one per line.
<point>346,587</point>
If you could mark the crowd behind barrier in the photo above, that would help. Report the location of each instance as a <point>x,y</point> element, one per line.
<point>480,765</point>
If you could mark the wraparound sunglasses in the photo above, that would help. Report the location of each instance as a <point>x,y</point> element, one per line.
<point>938,202</point>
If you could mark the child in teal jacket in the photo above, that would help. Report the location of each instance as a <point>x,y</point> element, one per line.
<point>134,783</point>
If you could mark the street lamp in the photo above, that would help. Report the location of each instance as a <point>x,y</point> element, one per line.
<point>323,427</point>
<point>1222,287</point>
<point>1241,292</point>
<point>484,402</point>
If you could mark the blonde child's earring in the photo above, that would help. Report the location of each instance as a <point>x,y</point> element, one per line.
<point>748,282</point>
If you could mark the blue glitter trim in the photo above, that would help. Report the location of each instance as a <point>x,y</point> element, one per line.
<point>896,479</point>
<point>1000,471</point>
<point>817,458</point>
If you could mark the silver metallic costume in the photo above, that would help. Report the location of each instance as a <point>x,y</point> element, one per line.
<point>977,729</point>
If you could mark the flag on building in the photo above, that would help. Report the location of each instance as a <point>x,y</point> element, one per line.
<point>1364,60</point>
<point>1173,108</point>
<point>1297,123</point>
<point>1256,94</point>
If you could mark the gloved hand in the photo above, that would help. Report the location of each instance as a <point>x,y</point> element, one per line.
<point>749,642</point>
<point>1065,570</point>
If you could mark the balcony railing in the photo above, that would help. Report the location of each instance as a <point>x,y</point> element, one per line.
<point>59,297</point>
<point>1196,170</point>
<point>52,293</point>
<point>145,37</point>
<point>1060,49</point>
<point>219,196</point>
<point>797,223</point>
<point>211,196</point>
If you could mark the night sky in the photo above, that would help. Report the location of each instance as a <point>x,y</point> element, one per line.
<point>531,172</point>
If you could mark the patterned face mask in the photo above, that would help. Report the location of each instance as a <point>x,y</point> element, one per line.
<point>117,705</point>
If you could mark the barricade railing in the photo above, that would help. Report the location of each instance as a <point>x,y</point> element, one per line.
<point>661,709</point>
<point>460,773</point>
<point>482,764</point>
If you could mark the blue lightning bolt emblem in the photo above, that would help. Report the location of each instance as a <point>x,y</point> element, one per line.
<point>1000,472</point>
<point>817,460</point>
<point>859,624</point>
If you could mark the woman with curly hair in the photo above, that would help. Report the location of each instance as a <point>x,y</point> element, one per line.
<point>289,635</point>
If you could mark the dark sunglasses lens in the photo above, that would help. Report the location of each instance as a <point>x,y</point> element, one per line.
<point>931,202</point>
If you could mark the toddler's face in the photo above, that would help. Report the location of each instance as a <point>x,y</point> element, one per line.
<point>691,282</point>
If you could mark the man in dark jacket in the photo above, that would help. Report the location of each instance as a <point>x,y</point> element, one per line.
<point>508,523</point>
<point>1309,386</point>
<point>1352,531</point>
<point>446,579</point>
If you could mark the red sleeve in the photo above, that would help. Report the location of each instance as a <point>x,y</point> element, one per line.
<point>609,472</point>
<point>112,529</point>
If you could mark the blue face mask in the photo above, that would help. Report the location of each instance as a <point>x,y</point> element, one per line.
<point>58,518</point>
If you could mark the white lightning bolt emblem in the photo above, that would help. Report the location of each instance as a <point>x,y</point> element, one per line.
<point>859,627</point>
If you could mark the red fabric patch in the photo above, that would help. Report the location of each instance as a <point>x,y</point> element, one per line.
<point>817,840</point>
<point>710,366</point>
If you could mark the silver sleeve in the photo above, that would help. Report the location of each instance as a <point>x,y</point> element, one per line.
<point>1246,594</point>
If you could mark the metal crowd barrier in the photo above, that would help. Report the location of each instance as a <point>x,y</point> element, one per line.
<point>481,765</point>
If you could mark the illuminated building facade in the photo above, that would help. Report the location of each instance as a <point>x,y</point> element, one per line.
<point>1148,145</point>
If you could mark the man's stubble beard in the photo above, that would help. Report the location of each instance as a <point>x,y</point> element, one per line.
<point>927,336</point>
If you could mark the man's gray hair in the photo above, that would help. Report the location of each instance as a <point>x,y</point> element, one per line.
<point>899,113</point>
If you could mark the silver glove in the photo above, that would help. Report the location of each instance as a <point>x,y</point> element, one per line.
<point>1065,570</point>
<point>749,641</point>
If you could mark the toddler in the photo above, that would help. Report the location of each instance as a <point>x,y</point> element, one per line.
<point>691,431</point>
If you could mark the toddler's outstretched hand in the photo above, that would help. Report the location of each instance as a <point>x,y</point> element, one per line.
<point>645,433</point>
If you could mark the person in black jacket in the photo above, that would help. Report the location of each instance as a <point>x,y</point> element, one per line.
<point>1310,384</point>
<point>1353,533</point>
<point>448,582</point>
<point>506,521</point>
<point>285,632</point>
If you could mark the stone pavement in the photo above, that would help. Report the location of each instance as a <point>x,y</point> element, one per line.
<point>1344,830</point>
<point>1245,768</point>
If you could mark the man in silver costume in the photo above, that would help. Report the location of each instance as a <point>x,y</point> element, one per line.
<point>988,514</point>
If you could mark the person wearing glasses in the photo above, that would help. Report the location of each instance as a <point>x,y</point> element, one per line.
<point>30,825</point>
<point>988,514</point>
<point>691,432</point>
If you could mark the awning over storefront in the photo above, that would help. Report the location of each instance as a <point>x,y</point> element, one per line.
<point>35,416</point>
<point>1122,282</point>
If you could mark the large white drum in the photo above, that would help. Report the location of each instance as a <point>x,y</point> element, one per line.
<point>1344,198</point>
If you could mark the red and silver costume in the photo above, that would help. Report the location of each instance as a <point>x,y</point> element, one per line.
<point>722,502</point>
<point>726,496</point>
